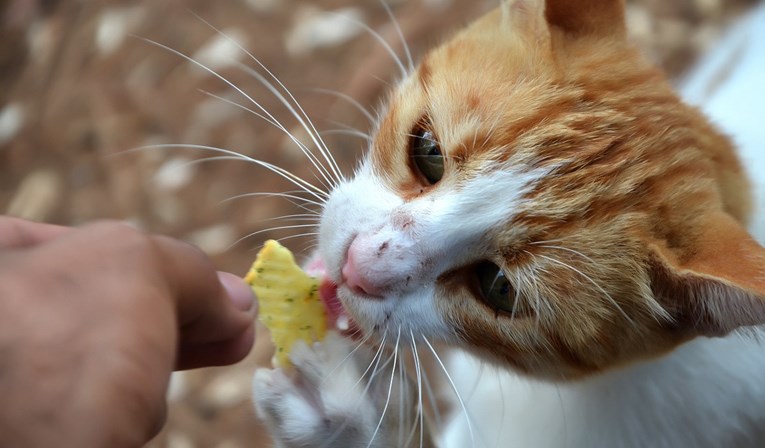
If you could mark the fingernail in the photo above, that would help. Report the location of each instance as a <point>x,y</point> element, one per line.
<point>239,292</point>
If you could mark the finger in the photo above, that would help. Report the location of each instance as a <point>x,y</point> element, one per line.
<point>206,312</point>
<point>217,353</point>
<point>16,233</point>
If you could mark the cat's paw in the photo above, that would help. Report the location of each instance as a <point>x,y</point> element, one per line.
<point>322,402</point>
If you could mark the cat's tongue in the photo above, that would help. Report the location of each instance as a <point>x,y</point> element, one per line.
<point>337,317</point>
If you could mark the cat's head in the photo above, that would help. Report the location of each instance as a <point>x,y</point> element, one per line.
<point>536,193</point>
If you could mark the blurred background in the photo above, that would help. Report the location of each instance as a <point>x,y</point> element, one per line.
<point>80,87</point>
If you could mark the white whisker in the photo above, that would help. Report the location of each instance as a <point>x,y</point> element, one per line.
<point>209,70</point>
<point>400,34</point>
<point>347,357</point>
<point>420,411</point>
<point>270,119</point>
<point>350,132</point>
<point>294,179</point>
<point>566,249</point>
<point>278,195</point>
<point>364,111</point>
<point>302,118</point>
<point>454,387</point>
<point>390,389</point>
<point>600,288</point>
<point>379,39</point>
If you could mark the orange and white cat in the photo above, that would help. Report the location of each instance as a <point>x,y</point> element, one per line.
<point>538,196</point>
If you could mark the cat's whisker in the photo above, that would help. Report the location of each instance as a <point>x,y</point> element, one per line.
<point>267,118</point>
<point>594,283</point>
<point>400,33</point>
<point>347,357</point>
<point>299,235</point>
<point>302,118</point>
<point>390,389</point>
<point>292,178</point>
<point>549,305</point>
<point>377,355</point>
<point>348,132</point>
<point>517,295</point>
<point>566,249</point>
<point>454,388</point>
<point>287,196</point>
<point>418,373</point>
<point>208,69</point>
<point>273,229</point>
<point>309,217</point>
<point>401,401</point>
<point>381,40</point>
<point>374,364</point>
<point>438,420</point>
<point>344,96</point>
<point>492,130</point>
<point>270,119</point>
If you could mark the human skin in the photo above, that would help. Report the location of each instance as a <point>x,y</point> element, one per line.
<point>93,320</point>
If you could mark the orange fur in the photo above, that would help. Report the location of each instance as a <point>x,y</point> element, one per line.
<point>644,199</point>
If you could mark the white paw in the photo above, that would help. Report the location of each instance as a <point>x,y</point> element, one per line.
<point>322,403</point>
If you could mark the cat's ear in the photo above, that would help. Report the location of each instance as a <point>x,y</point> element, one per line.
<point>602,18</point>
<point>719,284</point>
<point>575,18</point>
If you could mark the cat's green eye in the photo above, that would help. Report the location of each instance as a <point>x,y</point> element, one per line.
<point>426,154</point>
<point>494,287</point>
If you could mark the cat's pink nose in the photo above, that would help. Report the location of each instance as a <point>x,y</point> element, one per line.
<point>354,277</point>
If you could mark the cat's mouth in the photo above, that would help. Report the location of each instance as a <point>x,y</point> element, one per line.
<point>337,317</point>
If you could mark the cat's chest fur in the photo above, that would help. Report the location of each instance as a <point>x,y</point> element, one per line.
<point>709,392</point>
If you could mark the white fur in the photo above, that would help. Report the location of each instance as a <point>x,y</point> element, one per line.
<point>707,393</point>
<point>390,231</point>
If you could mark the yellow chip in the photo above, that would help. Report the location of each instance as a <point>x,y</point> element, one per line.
<point>290,306</point>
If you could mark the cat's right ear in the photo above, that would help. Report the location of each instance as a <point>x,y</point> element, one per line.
<point>601,18</point>
<point>718,285</point>
<point>575,18</point>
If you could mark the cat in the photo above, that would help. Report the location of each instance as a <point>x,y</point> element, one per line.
<point>537,196</point>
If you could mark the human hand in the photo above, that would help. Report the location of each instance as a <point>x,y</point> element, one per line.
<point>92,322</point>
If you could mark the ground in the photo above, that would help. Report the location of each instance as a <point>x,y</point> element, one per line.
<point>82,86</point>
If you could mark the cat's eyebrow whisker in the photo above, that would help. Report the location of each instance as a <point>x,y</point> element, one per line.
<point>390,389</point>
<point>400,34</point>
<point>516,285</point>
<point>270,119</point>
<point>303,119</point>
<point>600,288</point>
<point>454,388</point>
<point>381,40</point>
<point>566,249</point>
<point>358,106</point>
